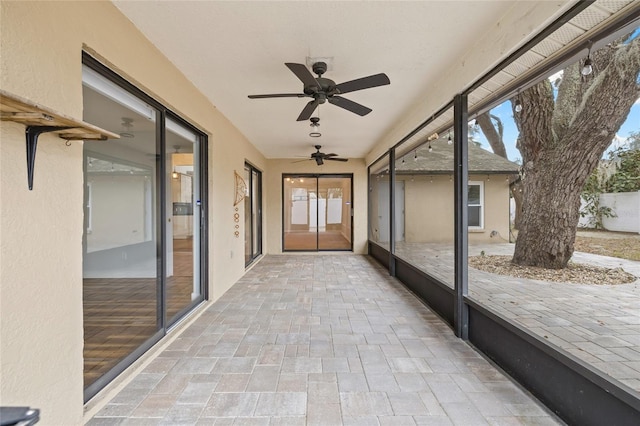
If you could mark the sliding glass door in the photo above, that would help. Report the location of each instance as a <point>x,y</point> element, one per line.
<point>183,266</point>
<point>144,238</point>
<point>252,214</point>
<point>317,212</point>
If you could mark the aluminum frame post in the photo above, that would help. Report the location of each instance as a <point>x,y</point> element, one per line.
<point>461,182</point>
<point>392,211</point>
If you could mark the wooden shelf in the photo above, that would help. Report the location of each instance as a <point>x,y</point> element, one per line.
<point>39,119</point>
<point>15,108</point>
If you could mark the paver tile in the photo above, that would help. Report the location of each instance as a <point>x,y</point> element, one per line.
<point>327,340</point>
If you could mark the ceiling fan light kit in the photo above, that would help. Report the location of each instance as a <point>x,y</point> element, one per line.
<point>315,123</point>
<point>323,89</point>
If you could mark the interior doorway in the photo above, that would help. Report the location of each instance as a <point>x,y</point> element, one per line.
<point>317,212</point>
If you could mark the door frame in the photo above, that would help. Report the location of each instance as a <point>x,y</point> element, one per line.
<point>258,203</point>
<point>164,324</point>
<point>316,176</point>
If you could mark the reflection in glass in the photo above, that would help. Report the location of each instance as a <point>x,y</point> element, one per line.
<point>183,224</point>
<point>379,203</point>
<point>120,272</point>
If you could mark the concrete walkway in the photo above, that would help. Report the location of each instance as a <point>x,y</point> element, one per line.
<point>320,340</point>
<point>599,324</point>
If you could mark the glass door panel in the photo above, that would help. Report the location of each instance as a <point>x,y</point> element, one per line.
<point>121,280</point>
<point>248,219</point>
<point>300,213</point>
<point>183,220</point>
<point>317,213</point>
<point>252,214</point>
<point>142,239</point>
<point>256,229</point>
<point>334,214</point>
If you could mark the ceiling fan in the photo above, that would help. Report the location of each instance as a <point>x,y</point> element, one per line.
<point>323,89</point>
<point>321,156</point>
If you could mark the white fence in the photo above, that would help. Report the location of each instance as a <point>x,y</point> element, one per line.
<point>626,208</point>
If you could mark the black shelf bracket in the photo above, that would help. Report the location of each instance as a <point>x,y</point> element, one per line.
<point>32,133</point>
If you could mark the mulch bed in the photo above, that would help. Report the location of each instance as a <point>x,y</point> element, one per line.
<point>574,273</point>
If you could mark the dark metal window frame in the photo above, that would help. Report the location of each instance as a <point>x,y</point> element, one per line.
<point>316,176</point>
<point>257,232</point>
<point>570,387</point>
<point>160,200</point>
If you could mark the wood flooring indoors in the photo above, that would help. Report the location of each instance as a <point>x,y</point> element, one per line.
<point>120,314</point>
<point>308,241</point>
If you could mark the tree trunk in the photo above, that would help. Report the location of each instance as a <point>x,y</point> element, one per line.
<point>516,193</point>
<point>561,143</point>
<point>547,231</point>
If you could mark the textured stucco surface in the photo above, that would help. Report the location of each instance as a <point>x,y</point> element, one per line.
<point>429,209</point>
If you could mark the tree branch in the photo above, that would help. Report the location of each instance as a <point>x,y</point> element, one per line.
<point>534,121</point>
<point>607,102</point>
<point>492,135</point>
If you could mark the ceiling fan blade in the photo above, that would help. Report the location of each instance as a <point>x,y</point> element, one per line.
<point>337,159</point>
<point>278,95</point>
<point>300,161</point>
<point>362,83</point>
<point>349,105</point>
<point>302,72</point>
<point>308,110</point>
<point>331,155</point>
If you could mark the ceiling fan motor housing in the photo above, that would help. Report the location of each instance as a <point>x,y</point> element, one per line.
<point>319,68</point>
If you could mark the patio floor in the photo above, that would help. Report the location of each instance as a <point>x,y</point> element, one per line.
<point>320,340</point>
<point>599,324</point>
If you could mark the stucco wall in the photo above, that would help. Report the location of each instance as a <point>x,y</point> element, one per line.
<point>429,209</point>
<point>41,330</point>
<point>273,187</point>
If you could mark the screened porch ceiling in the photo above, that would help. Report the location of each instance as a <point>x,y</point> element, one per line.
<point>229,50</point>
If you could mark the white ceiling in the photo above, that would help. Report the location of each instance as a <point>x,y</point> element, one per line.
<point>233,49</point>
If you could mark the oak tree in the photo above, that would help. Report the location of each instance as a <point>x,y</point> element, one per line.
<point>563,132</point>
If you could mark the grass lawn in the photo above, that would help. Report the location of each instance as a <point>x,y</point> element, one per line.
<point>624,245</point>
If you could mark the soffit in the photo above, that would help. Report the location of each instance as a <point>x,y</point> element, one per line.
<point>575,31</point>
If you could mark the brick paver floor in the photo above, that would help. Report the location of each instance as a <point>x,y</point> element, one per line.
<point>599,324</point>
<point>320,340</point>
